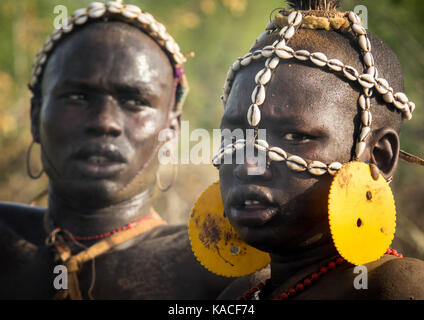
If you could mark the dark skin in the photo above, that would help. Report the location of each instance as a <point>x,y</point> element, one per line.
<point>107,91</point>
<point>310,113</point>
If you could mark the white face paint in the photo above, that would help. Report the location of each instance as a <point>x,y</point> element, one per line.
<point>147,74</point>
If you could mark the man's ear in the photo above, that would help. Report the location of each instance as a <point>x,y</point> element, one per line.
<point>175,120</point>
<point>35,118</point>
<point>385,151</point>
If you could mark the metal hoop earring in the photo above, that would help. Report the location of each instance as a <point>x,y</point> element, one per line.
<point>159,183</point>
<point>28,160</point>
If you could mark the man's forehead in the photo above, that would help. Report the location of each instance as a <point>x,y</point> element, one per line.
<point>118,53</point>
<point>295,90</point>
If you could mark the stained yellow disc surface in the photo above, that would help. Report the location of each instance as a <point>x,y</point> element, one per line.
<point>362,214</point>
<point>214,241</point>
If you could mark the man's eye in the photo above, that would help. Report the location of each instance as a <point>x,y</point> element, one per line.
<point>134,104</point>
<point>297,137</point>
<point>77,97</point>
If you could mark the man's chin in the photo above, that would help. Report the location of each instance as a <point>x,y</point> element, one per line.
<point>90,193</point>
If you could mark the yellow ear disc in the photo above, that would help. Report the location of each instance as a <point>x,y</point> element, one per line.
<point>214,241</point>
<point>362,214</point>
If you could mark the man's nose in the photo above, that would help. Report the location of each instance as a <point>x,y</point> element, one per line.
<point>253,169</point>
<point>104,119</point>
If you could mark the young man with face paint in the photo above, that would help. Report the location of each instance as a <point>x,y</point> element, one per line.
<point>105,85</point>
<point>315,102</point>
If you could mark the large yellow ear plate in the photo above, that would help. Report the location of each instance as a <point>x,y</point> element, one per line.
<point>214,241</point>
<point>362,214</point>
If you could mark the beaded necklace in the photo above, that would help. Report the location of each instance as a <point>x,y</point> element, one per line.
<point>264,287</point>
<point>127,226</point>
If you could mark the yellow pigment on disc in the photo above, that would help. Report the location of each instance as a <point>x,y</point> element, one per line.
<point>362,214</point>
<point>214,241</point>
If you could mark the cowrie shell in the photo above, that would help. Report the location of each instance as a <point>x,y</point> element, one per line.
<point>114,7</point>
<point>295,18</point>
<point>79,12</point>
<point>259,75</point>
<point>230,74</point>
<point>266,77</point>
<point>319,58</point>
<point>229,150</point>
<point>57,34</point>
<point>289,33</point>
<point>335,64</point>
<point>280,152</point>
<point>260,148</point>
<point>268,51</point>
<point>366,118</point>
<point>281,44</point>
<point>296,163</point>
<point>382,85</point>
<point>236,65</point>
<point>360,148</point>
<point>81,20</point>
<point>170,46</point>
<point>364,43</point>
<point>131,11</point>
<point>96,10</point>
<point>145,18</point>
<point>67,26</point>
<point>227,87</point>
<point>366,80</point>
<point>217,160</point>
<point>334,167</point>
<point>350,73</point>
<point>302,55</point>
<point>246,60</point>
<point>48,45</point>
<point>369,59</point>
<point>364,102</point>
<point>258,95</point>
<point>401,97</point>
<point>275,156</point>
<point>388,97</point>
<point>272,63</point>
<point>254,115</point>
<point>257,55</point>
<point>407,115</point>
<point>358,29</point>
<point>364,133</point>
<point>42,59</point>
<point>283,31</point>
<point>154,27</point>
<point>239,145</point>
<point>262,143</point>
<point>285,53</point>
<point>353,17</point>
<point>372,71</point>
<point>317,168</point>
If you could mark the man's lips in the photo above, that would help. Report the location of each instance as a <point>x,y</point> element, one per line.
<point>251,209</point>
<point>99,160</point>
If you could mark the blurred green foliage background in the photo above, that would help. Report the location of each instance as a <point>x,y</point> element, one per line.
<point>218,31</point>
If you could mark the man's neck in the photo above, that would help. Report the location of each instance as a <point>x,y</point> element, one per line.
<point>83,221</point>
<point>299,265</point>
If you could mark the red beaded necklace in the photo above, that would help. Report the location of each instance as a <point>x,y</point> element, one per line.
<point>108,234</point>
<point>307,282</point>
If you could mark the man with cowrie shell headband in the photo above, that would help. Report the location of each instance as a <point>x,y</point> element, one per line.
<point>329,97</point>
<point>104,84</point>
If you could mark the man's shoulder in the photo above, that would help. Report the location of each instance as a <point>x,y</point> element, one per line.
<point>23,220</point>
<point>398,278</point>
